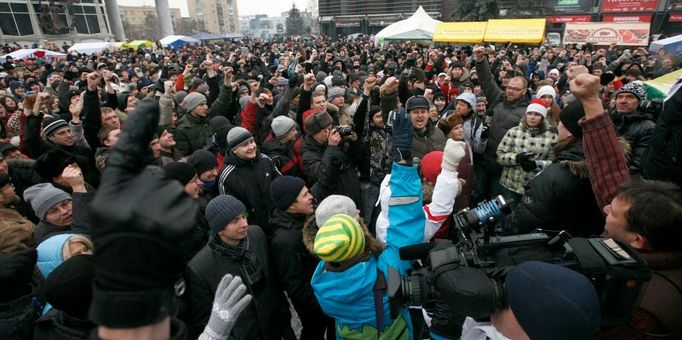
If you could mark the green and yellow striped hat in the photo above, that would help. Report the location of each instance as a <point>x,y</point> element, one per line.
<point>339,239</point>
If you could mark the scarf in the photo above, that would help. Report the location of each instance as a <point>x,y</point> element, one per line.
<point>251,270</point>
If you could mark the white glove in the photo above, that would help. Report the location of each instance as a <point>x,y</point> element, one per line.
<point>453,153</point>
<point>230,301</point>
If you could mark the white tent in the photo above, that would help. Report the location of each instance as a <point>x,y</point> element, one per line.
<point>92,47</point>
<point>175,41</point>
<point>32,53</point>
<point>419,26</point>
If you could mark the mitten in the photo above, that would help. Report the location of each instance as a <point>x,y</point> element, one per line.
<point>230,300</point>
<point>453,153</point>
<point>402,136</point>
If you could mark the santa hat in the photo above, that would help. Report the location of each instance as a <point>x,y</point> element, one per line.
<point>539,106</point>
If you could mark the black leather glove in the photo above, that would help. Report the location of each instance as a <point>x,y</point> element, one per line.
<point>402,136</point>
<point>523,156</point>
<point>529,165</point>
<point>139,218</point>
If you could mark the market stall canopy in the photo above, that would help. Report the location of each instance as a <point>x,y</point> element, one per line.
<point>519,31</point>
<point>659,87</point>
<point>37,53</point>
<point>177,41</point>
<point>419,26</point>
<point>229,35</point>
<point>460,32</point>
<point>137,44</point>
<point>605,33</point>
<point>92,47</point>
<point>207,36</point>
<point>671,45</point>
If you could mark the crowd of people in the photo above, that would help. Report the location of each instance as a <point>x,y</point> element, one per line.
<point>209,192</point>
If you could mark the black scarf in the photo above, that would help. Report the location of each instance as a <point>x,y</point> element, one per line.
<point>251,270</point>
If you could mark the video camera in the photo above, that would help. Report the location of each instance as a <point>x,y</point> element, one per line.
<point>468,274</point>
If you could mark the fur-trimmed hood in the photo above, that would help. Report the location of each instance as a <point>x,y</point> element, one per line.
<point>573,157</point>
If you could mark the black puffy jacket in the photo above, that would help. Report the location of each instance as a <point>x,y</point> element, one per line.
<point>637,129</point>
<point>249,181</point>
<point>559,198</point>
<point>663,159</point>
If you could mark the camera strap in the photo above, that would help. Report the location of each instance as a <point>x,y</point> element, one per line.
<point>379,290</point>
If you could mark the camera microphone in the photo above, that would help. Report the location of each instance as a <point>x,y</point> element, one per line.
<point>416,252</point>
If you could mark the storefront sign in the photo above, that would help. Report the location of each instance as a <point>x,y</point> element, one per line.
<point>627,18</point>
<point>560,19</point>
<point>605,33</point>
<point>675,18</point>
<point>610,6</point>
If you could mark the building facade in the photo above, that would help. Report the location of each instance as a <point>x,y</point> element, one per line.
<point>142,22</point>
<point>28,22</point>
<point>369,16</point>
<point>218,16</point>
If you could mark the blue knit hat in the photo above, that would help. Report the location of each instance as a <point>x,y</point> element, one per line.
<point>552,302</point>
<point>222,210</point>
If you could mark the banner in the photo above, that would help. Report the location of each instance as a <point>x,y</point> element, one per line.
<point>561,19</point>
<point>627,18</point>
<point>605,33</point>
<point>520,31</point>
<point>610,6</point>
<point>675,18</point>
<point>460,32</point>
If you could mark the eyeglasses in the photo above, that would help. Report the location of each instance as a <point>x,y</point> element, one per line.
<point>514,89</point>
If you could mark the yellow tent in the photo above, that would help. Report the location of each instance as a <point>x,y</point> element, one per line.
<point>137,44</point>
<point>520,31</point>
<point>460,32</point>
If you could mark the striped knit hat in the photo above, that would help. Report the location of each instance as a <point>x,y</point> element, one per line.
<point>339,239</point>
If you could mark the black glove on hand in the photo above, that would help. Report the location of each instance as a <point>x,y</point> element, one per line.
<point>293,80</point>
<point>529,165</point>
<point>402,137</point>
<point>523,156</point>
<point>139,218</point>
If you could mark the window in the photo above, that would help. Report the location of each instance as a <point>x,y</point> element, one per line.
<point>85,19</point>
<point>15,20</point>
<point>52,19</point>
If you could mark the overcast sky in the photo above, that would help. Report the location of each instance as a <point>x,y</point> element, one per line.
<point>246,7</point>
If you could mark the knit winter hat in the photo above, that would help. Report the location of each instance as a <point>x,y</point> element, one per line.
<point>430,166</point>
<point>468,98</point>
<point>193,100</point>
<point>216,122</point>
<point>538,106</point>
<point>284,190</point>
<point>545,91</point>
<point>281,125</point>
<point>181,172</point>
<point>222,210</point>
<point>332,205</point>
<point>237,136</point>
<point>339,239</point>
<point>634,88</point>
<point>335,92</point>
<point>52,124</point>
<point>546,312</point>
<point>43,197</point>
<point>6,148</point>
<point>69,287</point>
<point>317,122</point>
<point>202,161</point>
<point>570,115</point>
<point>554,71</point>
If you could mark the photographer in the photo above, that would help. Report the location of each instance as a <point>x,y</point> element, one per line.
<point>644,214</point>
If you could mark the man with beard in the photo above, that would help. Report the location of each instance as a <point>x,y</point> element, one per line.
<point>247,176</point>
<point>16,232</point>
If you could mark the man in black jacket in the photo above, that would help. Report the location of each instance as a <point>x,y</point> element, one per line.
<point>240,249</point>
<point>247,176</point>
<point>632,124</point>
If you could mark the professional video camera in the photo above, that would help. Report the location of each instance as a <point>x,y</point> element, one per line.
<point>468,274</point>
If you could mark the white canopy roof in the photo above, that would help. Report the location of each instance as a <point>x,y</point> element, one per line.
<point>419,26</point>
<point>169,40</point>
<point>32,53</point>
<point>91,47</point>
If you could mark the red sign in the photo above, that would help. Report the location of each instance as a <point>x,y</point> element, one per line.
<point>675,18</point>
<point>560,19</point>
<point>627,18</point>
<point>610,6</point>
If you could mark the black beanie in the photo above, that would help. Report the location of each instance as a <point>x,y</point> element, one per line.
<point>52,124</point>
<point>284,190</point>
<point>16,272</point>
<point>570,115</point>
<point>52,163</point>
<point>179,171</point>
<point>6,148</point>
<point>69,287</point>
<point>222,210</point>
<point>202,161</point>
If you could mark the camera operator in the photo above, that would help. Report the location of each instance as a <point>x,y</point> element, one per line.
<point>534,308</point>
<point>644,214</point>
<point>325,143</point>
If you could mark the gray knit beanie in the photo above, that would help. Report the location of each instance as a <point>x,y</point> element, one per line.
<point>281,125</point>
<point>43,197</point>
<point>332,205</point>
<point>193,100</point>
<point>222,210</point>
<point>237,136</point>
<point>243,101</point>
